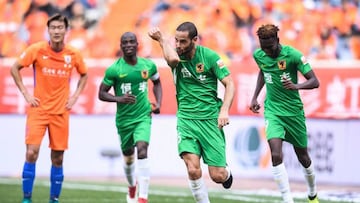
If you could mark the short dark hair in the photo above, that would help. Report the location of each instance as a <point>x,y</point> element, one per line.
<point>268,31</point>
<point>190,27</point>
<point>58,17</point>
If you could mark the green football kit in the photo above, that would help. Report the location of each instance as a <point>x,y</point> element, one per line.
<point>283,109</point>
<point>133,121</point>
<point>196,83</point>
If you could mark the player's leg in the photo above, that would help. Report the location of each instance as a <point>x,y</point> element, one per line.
<point>35,129</point>
<point>58,142</point>
<point>297,132</point>
<point>196,181</point>
<point>212,141</point>
<point>29,171</point>
<point>56,175</point>
<point>309,172</point>
<point>189,151</point>
<point>275,134</point>
<point>142,138</point>
<point>279,172</point>
<point>143,171</point>
<point>128,150</point>
<point>129,170</point>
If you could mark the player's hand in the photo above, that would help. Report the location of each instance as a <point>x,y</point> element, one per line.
<point>255,106</point>
<point>288,84</point>
<point>155,108</point>
<point>30,99</point>
<point>70,103</point>
<point>155,34</point>
<point>223,119</point>
<point>127,99</point>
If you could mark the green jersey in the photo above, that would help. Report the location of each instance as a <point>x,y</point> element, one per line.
<point>132,79</point>
<point>196,84</point>
<point>280,101</point>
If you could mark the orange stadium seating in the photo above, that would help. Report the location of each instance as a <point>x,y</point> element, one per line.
<point>321,30</point>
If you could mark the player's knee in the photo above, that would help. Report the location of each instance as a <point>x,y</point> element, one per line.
<point>142,153</point>
<point>305,161</point>
<point>32,155</point>
<point>276,158</point>
<point>194,173</point>
<point>128,160</point>
<point>218,176</point>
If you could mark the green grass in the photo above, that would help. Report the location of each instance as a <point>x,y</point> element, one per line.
<point>103,192</point>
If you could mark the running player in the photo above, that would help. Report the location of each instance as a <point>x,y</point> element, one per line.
<point>284,113</point>
<point>129,77</point>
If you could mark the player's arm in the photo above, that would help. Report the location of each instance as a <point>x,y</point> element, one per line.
<point>15,73</point>
<point>170,55</point>
<point>157,90</point>
<point>80,87</point>
<point>105,95</point>
<point>227,101</point>
<point>260,82</point>
<point>311,81</point>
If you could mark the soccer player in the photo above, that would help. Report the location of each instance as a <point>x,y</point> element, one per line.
<point>50,103</point>
<point>284,113</point>
<point>129,77</point>
<point>201,115</point>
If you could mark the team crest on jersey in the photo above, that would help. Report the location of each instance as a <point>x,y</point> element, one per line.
<point>67,59</point>
<point>144,74</point>
<point>282,64</point>
<point>199,67</point>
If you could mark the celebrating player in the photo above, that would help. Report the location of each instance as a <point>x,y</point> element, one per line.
<point>201,115</point>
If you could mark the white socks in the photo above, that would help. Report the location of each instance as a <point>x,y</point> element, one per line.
<point>130,173</point>
<point>199,190</point>
<point>281,178</point>
<point>310,180</point>
<point>143,177</point>
<point>227,168</point>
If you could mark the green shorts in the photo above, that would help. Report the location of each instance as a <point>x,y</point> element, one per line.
<point>130,134</point>
<point>289,128</point>
<point>204,138</point>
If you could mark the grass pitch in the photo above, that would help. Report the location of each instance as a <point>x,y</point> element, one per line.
<point>104,192</point>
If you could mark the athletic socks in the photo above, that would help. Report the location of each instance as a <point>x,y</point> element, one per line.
<point>310,180</point>
<point>28,177</point>
<point>199,190</point>
<point>281,178</point>
<point>56,180</point>
<point>143,177</point>
<point>130,173</point>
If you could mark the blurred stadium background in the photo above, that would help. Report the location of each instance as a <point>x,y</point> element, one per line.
<point>327,32</point>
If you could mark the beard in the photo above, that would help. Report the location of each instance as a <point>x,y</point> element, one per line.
<point>186,51</point>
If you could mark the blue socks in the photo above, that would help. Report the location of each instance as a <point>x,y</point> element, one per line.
<point>28,177</point>
<point>56,179</point>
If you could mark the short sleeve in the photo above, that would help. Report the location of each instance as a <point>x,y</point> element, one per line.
<point>108,77</point>
<point>28,57</point>
<point>302,64</point>
<point>80,63</point>
<point>220,69</point>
